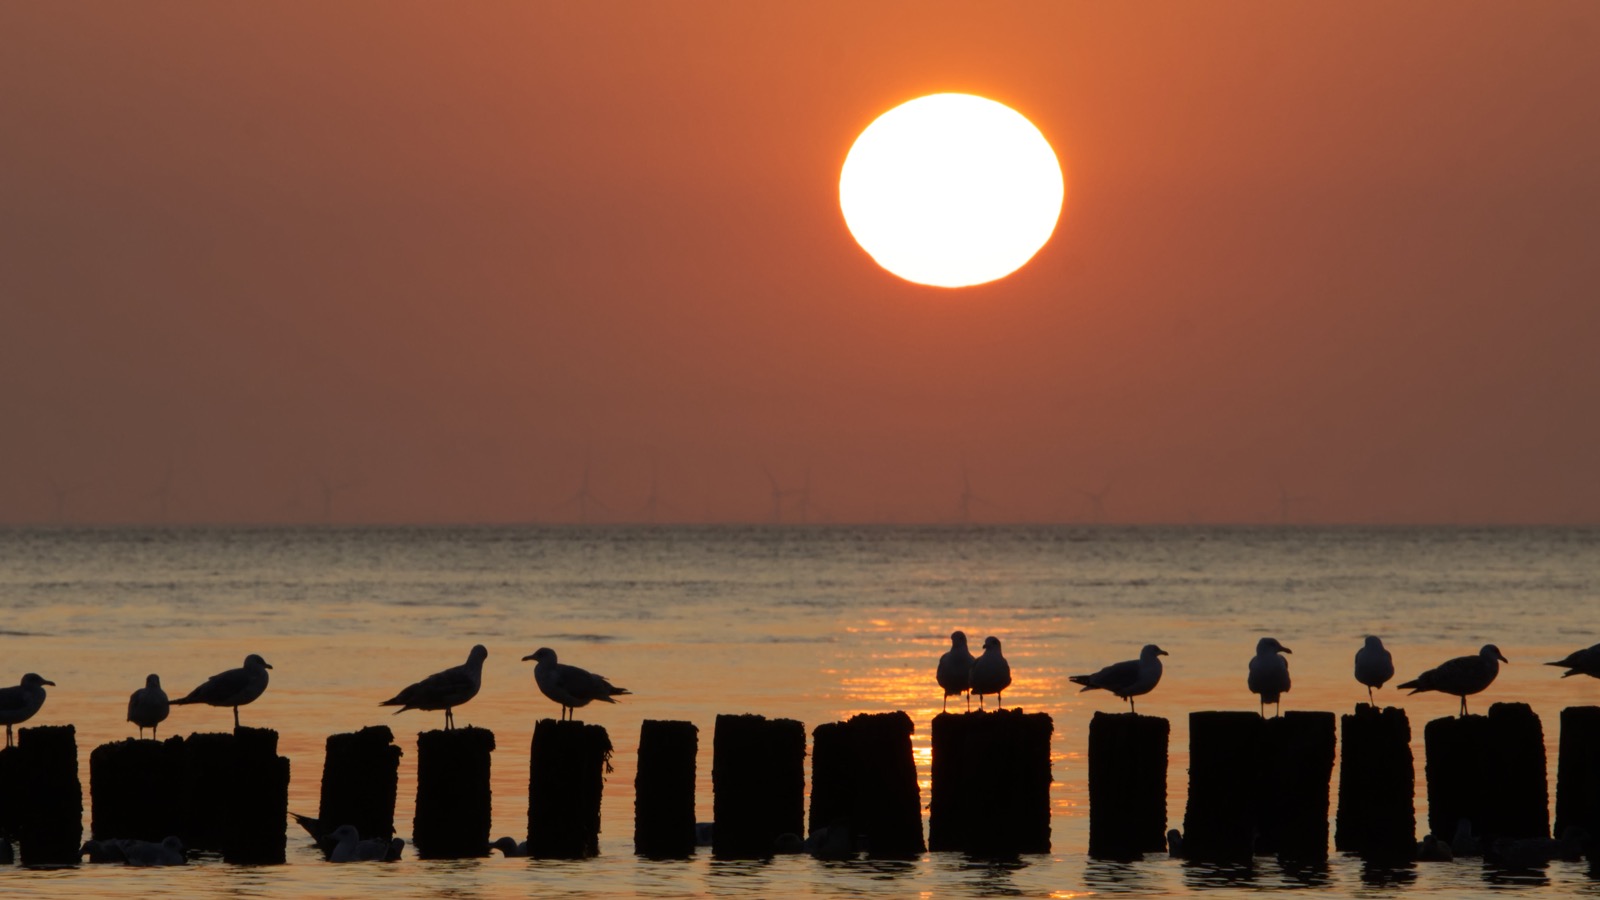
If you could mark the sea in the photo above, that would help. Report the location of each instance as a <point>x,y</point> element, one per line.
<point>814,623</point>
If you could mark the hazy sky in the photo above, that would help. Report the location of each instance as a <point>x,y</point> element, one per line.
<point>414,262</point>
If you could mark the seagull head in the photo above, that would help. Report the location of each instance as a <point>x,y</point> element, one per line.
<point>991,643</point>
<point>958,639</point>
<point>1490,651</point>
<point>152,681</point>
<point>1151,651</point>
<point>1270,645</point>
<point>1374,642</point>
<point>543,654</point>
<point>345,833</point>
<point>254,661</point>
<point>479,654</point>
<point>34,679</point>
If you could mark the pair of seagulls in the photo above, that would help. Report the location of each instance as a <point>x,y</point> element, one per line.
<point>960,672</point>
<point>569,686</point>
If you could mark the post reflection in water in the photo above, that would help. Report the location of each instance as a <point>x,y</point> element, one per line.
<point>1376,874</point>
<point>1206,876</point>
<point>1107,876</point>
<point>987,877</point>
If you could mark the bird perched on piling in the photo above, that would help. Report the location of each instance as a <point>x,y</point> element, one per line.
<point>18,704</point>
<point>444,690</point>
<point>955,668</point>
<point>991,674</point>
<point>148,706</point>
<point>1581,662</point>
<point>1130,679</point>
<point>1374,665</point>
<point>1460,676</point>
<point>235,687</point>
<point>1269,674</point>
<point>569,686</point>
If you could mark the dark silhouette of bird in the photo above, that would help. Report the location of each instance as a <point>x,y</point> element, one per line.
<point>1461,676</point>
<point>1374,665</point>
<point>18,704</point>
<point>991,674</point>
<point>570,686</point>
<point>148,706</point>
<point>955,669</point>
<point>1129,679</point>
<point>1269,674</point>
<point>234,688</point>
<point>444,690</point>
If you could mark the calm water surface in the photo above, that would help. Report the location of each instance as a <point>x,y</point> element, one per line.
<point>814,624</point>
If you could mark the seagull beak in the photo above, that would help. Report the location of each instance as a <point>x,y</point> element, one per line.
<point>528,657</point>
<point>1284,649</point>
<point>267,664</point>
<point>1503,659</point>
<point>1162,653</point>
<point>51,683</point>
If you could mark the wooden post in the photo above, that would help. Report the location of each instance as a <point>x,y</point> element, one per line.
<point>131,789</point>
<point>1292,818</point>
<point>566,775</point>
<point>758,784</point>
<point>360,778</point>
<point>863,774</point>
<point>1377,786</point>
<point>663,789</point>
<point>49,815</point>
<point>1127,785</point>
<point>453,797</point>
<point>991,783</point>
<point>1489,770</point>
<point>1225,773</point>
<point>1578,772</point>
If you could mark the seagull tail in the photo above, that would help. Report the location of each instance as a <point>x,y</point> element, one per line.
<point>1414,686</point>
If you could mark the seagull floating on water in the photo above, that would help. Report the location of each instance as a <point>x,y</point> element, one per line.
<point>444,690</point>
<point>235,687</point>
<point>1269,674</point>
<point>148,706</point>
<point>1374,665</point>
<point>955,668</point>
<point>569,686</point>
<point>1581,662</point>
<point>168,852</point>
<point>1460,676</point>
<point>1130,679</point>
<point>991,674</point>
<point>18,704</point>
<point>349,847</point>
<point>510,846</point>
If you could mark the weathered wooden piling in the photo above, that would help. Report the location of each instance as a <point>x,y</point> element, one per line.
<point>360,778</point>
<point>131,789</point>
<point>1489,770</point>
<point>1377,785</point>
<point>235,795</point>
<point>1225,774</point>
<point>568,764</point>
<point>42,796</point>
<point>863,774</point>
<point>1578,771</point>
<point>453,813</point>
<point>663,789</point>
<point>1127,785</point>
<point>758,784</point>
<point>1292,816</point>
<point>991,783</point>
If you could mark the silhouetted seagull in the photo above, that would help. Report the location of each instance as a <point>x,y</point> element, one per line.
<point>1460,676</point>
<point>349,847</point>
<point>168,852</point>
<point>18,704</point>
<point>991,674</point>
<point>1269,674</point>
<point>1129,679</point>
<point>1431,849</point>
<point>510,847</point>
<point>234,688</point>
<point>1581,662</point>
<point>444,690</point>
<point>1374,665</point>
<point>569,686</point>
<point>148,707</point>
<point>955,669</point>
<point>107,851</point>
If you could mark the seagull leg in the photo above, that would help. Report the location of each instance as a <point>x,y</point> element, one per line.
<point>236,718</point>
<point>1369,696</point>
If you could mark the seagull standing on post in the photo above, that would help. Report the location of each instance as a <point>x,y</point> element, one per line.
<point>569,686</point>
<point>444,690</point>
<point>1374,665</point>
<point>148,706</point>
<point>1460,676</point>
<point>18,704</point>
<point>1581,662</point>
<point>991,674</point>
<point>1130,679</point>
<point>234,688</point>
<point>1269,674</point>
<point>955,668</point>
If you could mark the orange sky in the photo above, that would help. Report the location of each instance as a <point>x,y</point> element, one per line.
<point>441,254</point>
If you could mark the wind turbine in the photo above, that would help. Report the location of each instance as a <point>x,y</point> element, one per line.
<point>804,493</point>
<point>776,516</point>
<point>584,497</point>
<point>1097,503</point>
<point>1285,502</point>
<point>654,501</point>
<point>330,490</point>
<point>968,498</point>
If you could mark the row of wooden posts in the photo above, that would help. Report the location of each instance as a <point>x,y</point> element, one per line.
<point>1256,786</point>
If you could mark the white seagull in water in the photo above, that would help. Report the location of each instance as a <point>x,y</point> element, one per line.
<point>1374,665</point>
<point>569,686</point>
<point>148,706</point>
<point>234,688</point>
<point>991,674</point>
<point>444,690</point>
<point>955,668</point>
<point>1581,662</point>
<point>1460,676</point>
<point>1269,674</point>
<point>1130,679</point>
<point>18,704</point>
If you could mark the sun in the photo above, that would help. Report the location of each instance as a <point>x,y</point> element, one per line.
<point>951,190</point>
